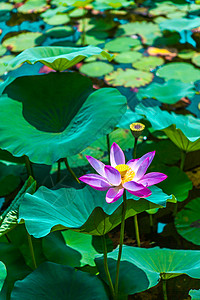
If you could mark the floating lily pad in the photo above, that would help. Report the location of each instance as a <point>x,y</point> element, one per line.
<point>52,281</point>
<point>82,210</point>
<point>59,31</point>
<point>196,59</point>
<point>157,263</point>
<point>57,58</point>
<point>3,274</point>
<point>2,50</point>
<point>48,122</point>
<point>180,24</point>
<point>168,92</point>
<point>147,30</point>
<point>180,71</point>
<point>186,54</point>
<point>148,63</point>
<point>187,222</point>
<point>93,38</point>
<point>22,41</point>
<point>194,294</point>
<point>58,19</point>
<point>3,60</point>
<point>122,44</point>
<point>183,130</point>
<point>35,6</point>
<point>78,13</point>
<point>96,69</point>
<point>127,57</point>
<point>129,78</point>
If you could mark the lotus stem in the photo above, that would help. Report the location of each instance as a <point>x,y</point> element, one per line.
<point>31,250</point>
<point>164,286</point>
<point>83,32</point>
<point>137,234</point>
<point>135,148</point>
<point>29,167</point>
<point>70,170</point>
<point>58,171</point>
<point>106,266</point>
<point>124,207</point>
<point>108,147</point>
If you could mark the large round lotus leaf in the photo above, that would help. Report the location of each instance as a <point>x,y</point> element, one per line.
<point>127,57</point>
<point>33,6</point>
<point>59,113</point>
<point>57,58</point>
<point>194,294</point>
<point>147,30</point>
<point>22,41</point>
<point>9,178</point>
<point>3,274</point>
<point>84,210</point>
<point>122,44</point>
<point>176,183</point>
<point>129,78</point>
<point>196,59</point>
<point>183,130</point>
<point>128,118</point>
<point>148,63</point>
<point>187,222</point>
<point>168,92</point>
<point>57,19</point>
<point>96,69</point>
<point>52,281</point>
<point>180,24</point>
<point>5,59</point>
<point>181,71</point>
<point>59,32</point>
<point>155,262</point>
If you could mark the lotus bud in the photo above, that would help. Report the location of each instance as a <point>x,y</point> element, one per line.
<point>137,129</point>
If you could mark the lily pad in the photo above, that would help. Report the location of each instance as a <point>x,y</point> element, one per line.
<point>33,6</point>
<point>148,63</point>
<point>22,41</point>
<point>196,59</point>
<point>82,210</point>
<point>194,294</point>
<point>122,44</point>
<point>183,130</point>
<point>180,24</point>
<point>3,274</point>
<point>127,57</point>
<point>58,19</point>
<point>4,60</point>
<point>155,262</point>
<point>187,222</point>
<point>57,58</point>
<point>51,124</point>
<point>180,71</point>
<point>96,69</point>
<point>168,92</point>
<point>52,281</point>
<point>2,50</point>
<point>59,32</point>
<point>129,78</point>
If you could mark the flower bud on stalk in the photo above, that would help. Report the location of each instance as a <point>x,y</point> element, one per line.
<point>137,129</point>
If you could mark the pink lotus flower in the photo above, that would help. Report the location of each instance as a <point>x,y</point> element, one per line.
<point>120,176</point>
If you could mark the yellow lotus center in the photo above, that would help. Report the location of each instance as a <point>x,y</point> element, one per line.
<point>126,172</point>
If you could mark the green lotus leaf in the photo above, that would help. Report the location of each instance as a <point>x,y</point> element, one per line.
<point>94,38</point>
<point>187,222</point>
<point>129,78</point>
<point>78,13</point>
<point>183,130</point>
<point>155,262</point>
<point>148,63</point>
<point>184,72</point>
<point>59,32</point>
<point>180,24</point>
<point>169,92</point>
<point>5,7</point>
<point>35,6</point>
<point>122,44</point>
<point>58,19</point>
<point>2,50</point>
<point>147,30</point>
<point>22,41</point>
<point>75,249</point>
<point>3,274</point>
<point>3,60</point>
<point>163,8</point>
<point>111,4</point>
<point>52,281</point>
<point>127,57</point>
<point>194,294</point>
<point>96,69</point>
<point>75,3</point>
<point>196,59</point>
<point>9,178</point>
<point>82,210</point>
<point>194,106</point>
<point>8,220</point>
<point>176,183</point>
<point>57,58</point>
<point>56,127</point>
<point>187,54</point>
<point>128,118</point>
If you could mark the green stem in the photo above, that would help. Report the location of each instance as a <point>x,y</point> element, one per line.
<point>108,147</point>
<point>164,286</point>
<point>31,251</point>
<point>183,156</point>
<point>106,266</point>
<point>58,171</point>
<point>135,148</point>
<point>29,166</point>
<point>121,242</point>
<point>83,32</point>
<point>137,230</point>
<point>151,220</point>
<point>70,170</point>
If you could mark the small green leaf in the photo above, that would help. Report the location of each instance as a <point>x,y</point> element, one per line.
<point>96,69</point>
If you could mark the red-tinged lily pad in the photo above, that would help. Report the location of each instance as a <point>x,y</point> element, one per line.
<point>129,78</point>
